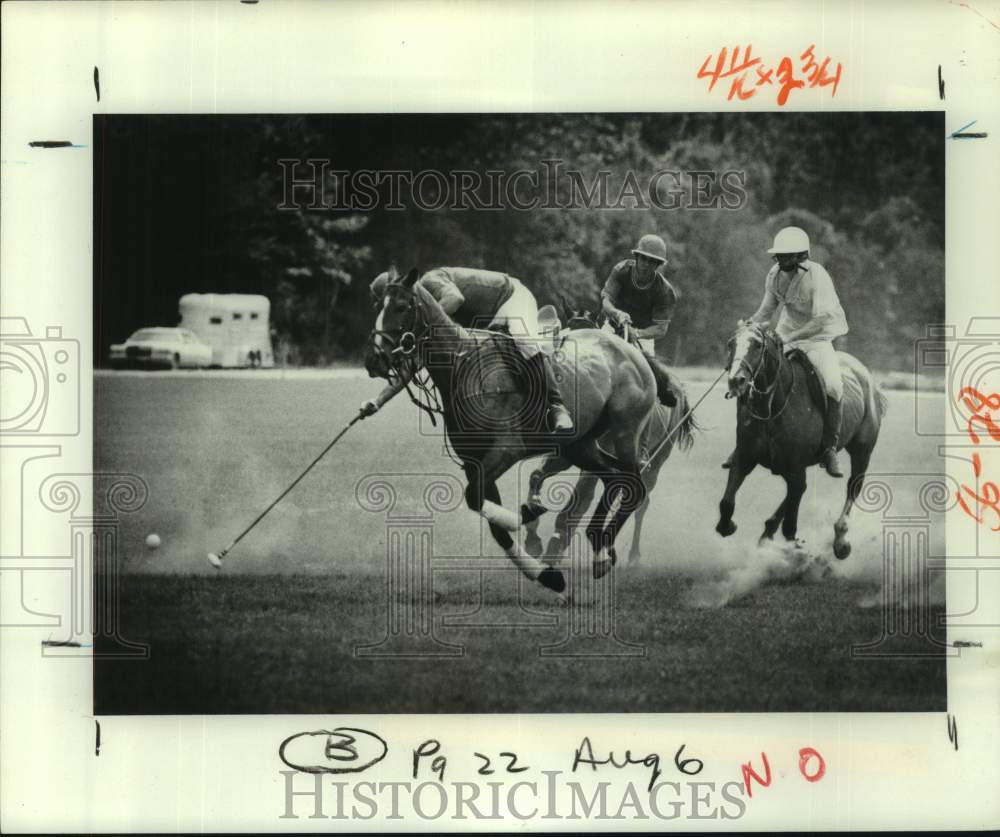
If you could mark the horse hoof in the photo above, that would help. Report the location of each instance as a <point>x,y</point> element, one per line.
<point>634,560</point>
<point>602,568</point>
<point>726,527</point>
<point>531,513</point>
<point>552,579</point>
<point>533,545</point>
<point>841,549</point>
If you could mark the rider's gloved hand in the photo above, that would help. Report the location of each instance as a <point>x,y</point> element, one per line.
<point>369,408</point>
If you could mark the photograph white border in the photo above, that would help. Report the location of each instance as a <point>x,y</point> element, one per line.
<point>891,771</point>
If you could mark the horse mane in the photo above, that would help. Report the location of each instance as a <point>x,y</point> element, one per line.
<point>772,340</point>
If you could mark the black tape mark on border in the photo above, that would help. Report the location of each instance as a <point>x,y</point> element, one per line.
<point>50,144</point>
<point>940,84</point>
<point>97,742</point>
<point>953,731</point>
<point>97,82</point>
<point>961,133</point>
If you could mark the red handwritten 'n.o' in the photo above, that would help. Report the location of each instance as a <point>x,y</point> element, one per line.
<point>749,773</point>
<point>805,755</point>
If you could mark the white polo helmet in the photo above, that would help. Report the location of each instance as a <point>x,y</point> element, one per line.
<point>790,240</point>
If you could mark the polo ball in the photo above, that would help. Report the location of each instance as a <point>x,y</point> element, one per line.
<point>153,541</point>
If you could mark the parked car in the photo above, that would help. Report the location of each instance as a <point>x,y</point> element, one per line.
<point>164,348</point>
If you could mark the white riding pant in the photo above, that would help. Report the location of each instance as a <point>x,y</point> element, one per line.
<point>823,356</point>
<point>520,316</point>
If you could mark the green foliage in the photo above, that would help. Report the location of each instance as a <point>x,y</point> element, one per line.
<point>868,188</point>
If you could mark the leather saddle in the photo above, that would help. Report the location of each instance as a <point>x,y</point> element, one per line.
<point>492,366</point>
<point>817,391</point>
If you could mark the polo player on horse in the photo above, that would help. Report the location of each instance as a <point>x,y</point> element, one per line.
<point>484,299</point>
<point>810,319</point>
<point>637,294</point>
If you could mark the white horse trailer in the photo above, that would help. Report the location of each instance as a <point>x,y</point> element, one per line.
<point>236,326</point>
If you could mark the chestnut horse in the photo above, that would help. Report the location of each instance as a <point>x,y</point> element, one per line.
<point>671,426</point>
<point>495,417</point>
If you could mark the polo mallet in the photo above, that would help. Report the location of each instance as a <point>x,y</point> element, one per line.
<point>215,558</point>
<point>690,410</point>
<point>652,456</point>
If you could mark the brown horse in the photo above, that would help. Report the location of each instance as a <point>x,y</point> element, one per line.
<point>779,426</point>
<point>494,414</point>
<point>670,427</point>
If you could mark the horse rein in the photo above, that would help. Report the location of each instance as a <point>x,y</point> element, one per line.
<point>401,355</point>
<point>769,391</point>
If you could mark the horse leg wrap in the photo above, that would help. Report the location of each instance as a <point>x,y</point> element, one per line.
<point>499,516</point>
<point>531,567</point>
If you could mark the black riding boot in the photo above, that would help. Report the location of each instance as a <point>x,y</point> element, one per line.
<point>559,418</point>
<point>831,434</point>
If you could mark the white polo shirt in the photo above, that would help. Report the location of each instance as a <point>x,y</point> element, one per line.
<point>809,296</point>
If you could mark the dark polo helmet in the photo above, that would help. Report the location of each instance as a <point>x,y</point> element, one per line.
<point>652,246</point>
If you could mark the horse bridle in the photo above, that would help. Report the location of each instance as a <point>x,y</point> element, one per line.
<point>403,347</point>
<point>403,351</point>
<point>770,391</point>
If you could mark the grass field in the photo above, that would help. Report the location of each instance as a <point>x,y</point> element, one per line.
<point>704,624</point>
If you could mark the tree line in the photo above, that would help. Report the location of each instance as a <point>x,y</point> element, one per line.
<point>195,204</point>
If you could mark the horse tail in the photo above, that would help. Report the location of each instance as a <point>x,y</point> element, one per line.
<point>682,421</point>
<point>881,402</point>
<point>875,400</point>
